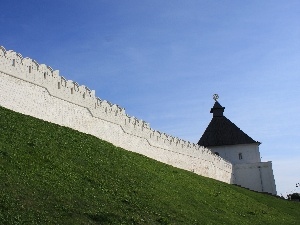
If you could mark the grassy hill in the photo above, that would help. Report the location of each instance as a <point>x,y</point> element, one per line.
<point>54,175</point>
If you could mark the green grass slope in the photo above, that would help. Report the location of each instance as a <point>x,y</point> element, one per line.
<point>54,175</point>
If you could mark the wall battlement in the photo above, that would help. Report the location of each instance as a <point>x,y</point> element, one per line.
<point>37,90</point>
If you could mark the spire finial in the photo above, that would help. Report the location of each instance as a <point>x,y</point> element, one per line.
<point>216,97</point>
<point>217,109</point>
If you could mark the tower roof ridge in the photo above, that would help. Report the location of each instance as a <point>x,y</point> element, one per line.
<point>221,131</point>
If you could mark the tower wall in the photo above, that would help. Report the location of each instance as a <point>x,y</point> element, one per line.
<point>255,176</point>
<point>39,91</point>
<point>237,154</point>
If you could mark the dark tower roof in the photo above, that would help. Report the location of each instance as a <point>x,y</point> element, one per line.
<point>221,131</point>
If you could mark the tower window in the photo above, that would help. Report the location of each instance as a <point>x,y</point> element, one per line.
<point>240,156</point>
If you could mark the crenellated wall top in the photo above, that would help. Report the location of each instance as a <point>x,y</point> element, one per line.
<point>87,97</point>
<point>15,60</point>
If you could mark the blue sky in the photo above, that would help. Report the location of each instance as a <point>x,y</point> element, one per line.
<point>163,60</point>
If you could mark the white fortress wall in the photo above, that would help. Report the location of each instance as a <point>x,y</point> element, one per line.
<point>38,91</point>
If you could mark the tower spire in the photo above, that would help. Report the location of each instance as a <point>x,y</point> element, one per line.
<point>217,110</point>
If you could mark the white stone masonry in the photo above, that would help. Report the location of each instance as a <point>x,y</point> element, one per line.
<point>39,91</point>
